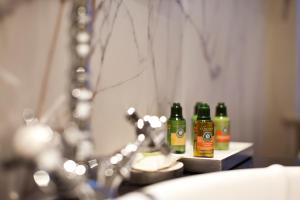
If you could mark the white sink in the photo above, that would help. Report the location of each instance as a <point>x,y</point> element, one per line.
<point>272,183</point>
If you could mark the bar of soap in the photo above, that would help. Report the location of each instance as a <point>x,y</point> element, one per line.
<point>153,161</point>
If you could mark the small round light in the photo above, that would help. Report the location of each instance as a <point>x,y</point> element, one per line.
<point>108,172</point>
<point>140,123</point>
<point>131,148</point>
<point>125,172</point>
<point>83,37</point>
<point>41,178</point>
<point>155,122</point>
<point>82,50</point>
<point>28,116</point>
<point>141,137</point>
<point>114,160</point>
<point>82,94</point>
<point>130,111</point>
<point>163,119</point>
<point>70,166</point>
<point>13,195</point>
<point>147,118</point>
<point>119,157</point>
<point>80,70</point>
<point>80,170</point>
<point>83,110</point>
<point>38,136</point>
<point>125,152</point>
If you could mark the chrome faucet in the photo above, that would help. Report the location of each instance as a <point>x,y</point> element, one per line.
<point>150,133</point>
<point>60,163</point>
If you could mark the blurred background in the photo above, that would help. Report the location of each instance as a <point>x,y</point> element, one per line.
<point>151,53</point>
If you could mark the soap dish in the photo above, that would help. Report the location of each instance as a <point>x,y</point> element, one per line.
<point>149,177</point>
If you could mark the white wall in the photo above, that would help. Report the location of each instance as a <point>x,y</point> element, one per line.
<point>208,51</point>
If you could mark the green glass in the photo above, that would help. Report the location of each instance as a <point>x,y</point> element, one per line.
<point>204,134</point>
<point>203,141</point>
<point>194,118</point>
<point>222,128</point>
<point>222,133</point>
<point>176,129</point>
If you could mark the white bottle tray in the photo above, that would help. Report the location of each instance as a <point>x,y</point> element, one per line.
<point>222,160</point>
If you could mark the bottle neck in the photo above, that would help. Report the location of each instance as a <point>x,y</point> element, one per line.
<point>203,118</point>
<point>176,111</point>
<point>180,117</point>
<point>221,115</point>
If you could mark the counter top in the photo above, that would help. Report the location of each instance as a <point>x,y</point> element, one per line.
<point>238,156</point>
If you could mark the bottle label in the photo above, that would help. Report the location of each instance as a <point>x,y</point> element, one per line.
<point>205,143</point>
<point>177,131</point>
<point>204,132</point>
<point>222,131</point>
<point>176,140</point>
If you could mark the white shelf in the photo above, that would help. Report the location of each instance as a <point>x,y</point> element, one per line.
<point>222,160</point>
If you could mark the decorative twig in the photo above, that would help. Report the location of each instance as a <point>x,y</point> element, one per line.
<point>214,70</point>
<point>52,110</point>
<point>104,48</point>
<point>150,37</point>
<point>138,51</point>
<point>141,59</point>
<point>98,8</point>
<point>52,48</point>
<point>96,12</point>
<point>122,82</point>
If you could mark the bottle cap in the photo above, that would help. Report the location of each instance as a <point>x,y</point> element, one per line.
<point>221,110</point>
<point>203,112</point>
<point>196,107</point>
<point>176,110</point>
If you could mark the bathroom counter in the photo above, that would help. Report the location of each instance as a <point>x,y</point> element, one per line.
<point>239,156</point>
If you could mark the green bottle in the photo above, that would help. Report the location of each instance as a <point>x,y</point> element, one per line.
<point>203,143</point>
<point>222,128</point>
<point>176,129</point>
<point>194,118</point>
